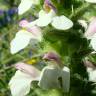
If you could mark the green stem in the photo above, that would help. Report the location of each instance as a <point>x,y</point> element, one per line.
<point>79,12</point>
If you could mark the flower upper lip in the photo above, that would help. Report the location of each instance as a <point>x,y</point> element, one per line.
<point>50,5</point>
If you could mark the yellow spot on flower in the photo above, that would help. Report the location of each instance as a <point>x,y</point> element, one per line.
<point>24,29</point>
<point>32,61</point>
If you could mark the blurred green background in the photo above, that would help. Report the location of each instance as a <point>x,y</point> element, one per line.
<point>8,25</point>
<point>8,29</point>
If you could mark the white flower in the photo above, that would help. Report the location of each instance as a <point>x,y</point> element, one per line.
<point>91,1</point>
<point>23,38</point>
<point>48,16</point>
<point>62,22</point>
<point>26,5</point>
<point>58,22</point>
<point>45,18</point>
<point>92,74</point>
<point>20,83</point>
<point>50,78</point>
<point>91,69</point>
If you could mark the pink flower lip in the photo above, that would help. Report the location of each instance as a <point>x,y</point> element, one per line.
<point>31,70</point>
<point>34,30</point>
<point>23,23</point>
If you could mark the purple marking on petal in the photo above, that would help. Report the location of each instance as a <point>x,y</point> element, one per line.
<point>48,2</point>
<point>52,56</point>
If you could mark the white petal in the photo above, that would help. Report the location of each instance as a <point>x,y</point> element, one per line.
<point>31,24</point>
<point>66,79</point>
<point>62,22</point>
<point>24,6</point>
<point>20,84</point>
<point>49,78</point>
<point>20,41</point>
<point>91,1</point>
<point>42,13</point>
<point>53,77</point>
<point>92,74</point>
<point>45,18</point>
<point>93,42</point>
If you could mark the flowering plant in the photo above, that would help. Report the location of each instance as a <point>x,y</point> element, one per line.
<point>66,41</point>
